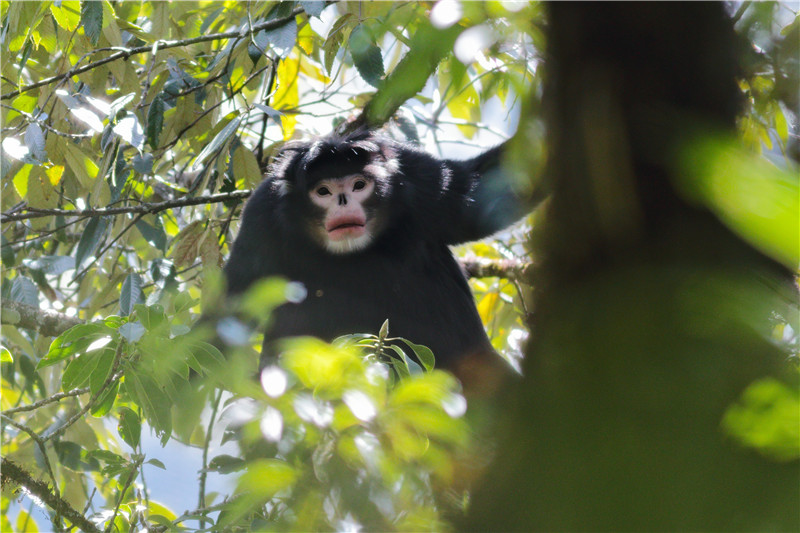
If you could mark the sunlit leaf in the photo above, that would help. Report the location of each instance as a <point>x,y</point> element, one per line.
<point>67,14</point>
<point>765,418</point>
<point>755,198</point>
<point>131,131</point>
<point>287,94</point>
<point>129,426</point>
<point>73,341</point>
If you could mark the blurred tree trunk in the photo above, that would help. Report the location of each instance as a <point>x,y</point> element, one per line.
<point>650,316</point>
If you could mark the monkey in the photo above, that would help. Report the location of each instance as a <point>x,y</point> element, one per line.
<point>365,224</point>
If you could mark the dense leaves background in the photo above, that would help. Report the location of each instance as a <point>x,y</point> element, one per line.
<point>132,133</point>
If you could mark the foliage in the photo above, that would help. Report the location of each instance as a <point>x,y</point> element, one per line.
<point>132,132</point>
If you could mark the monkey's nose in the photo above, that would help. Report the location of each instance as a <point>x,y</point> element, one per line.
<point>342,199</point>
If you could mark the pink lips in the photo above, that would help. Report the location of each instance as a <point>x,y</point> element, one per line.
<point>345,227</point>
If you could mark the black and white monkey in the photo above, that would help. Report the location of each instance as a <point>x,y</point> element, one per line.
<point>365,224</point>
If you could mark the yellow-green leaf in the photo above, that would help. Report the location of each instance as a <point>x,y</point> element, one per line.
<point>67,14</point>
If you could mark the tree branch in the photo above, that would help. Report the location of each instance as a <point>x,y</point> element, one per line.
<point>158,45</point>
<point>41,403</point>
<point>10,471</point>
<point>32,212</point>
<point>511,269</point>
<point>45,321</point>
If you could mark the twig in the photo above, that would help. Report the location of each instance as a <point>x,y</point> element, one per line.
<point>142,208</point>
<point>41,403</point>
<point>204,472</point>
<point>12,471</point>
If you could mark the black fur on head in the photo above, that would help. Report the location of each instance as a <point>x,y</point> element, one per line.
<point>300,165</point>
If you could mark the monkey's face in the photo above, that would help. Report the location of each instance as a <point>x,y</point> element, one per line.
<point>344,220</point>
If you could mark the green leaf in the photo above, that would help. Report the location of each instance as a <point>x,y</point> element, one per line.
<point>245,165</point>
<point>131,293</point>
<point>104,364</point>
<point>283,39</point>
<point>428,47</point>
<point>107,456</point>
<point>92,19</point>
<point>399,363</point>
<point>75,340</point>
<point>204,357</point>
<point>423,353</point>
<point>67,14</point>
<point>105,401</point>
<point>153,400</point>
<point>5,355</point>
<point>129,426</point>
<point>222,137</point>
<point>154,234</point>
<point>266,477</point>
<point>225,464</point>
<point>23,290</point>
<point>79,370</point>
<point>261,481</point>
<point>155,121</point>
<point>51,264</point>
<point>156,463</point>
<point>313,9</point>
<point>366,56</point>
<point>151,316</point>
<point>90,239</point>
<point>334,39</point>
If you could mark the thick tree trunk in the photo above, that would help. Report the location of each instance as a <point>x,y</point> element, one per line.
<point>650,315</point>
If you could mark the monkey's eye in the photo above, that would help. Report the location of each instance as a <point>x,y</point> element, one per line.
<point>323,191</point>
<point>360,184</point>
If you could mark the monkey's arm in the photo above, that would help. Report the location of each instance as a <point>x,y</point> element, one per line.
<point>251,253</point>
<point>461,201</point>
